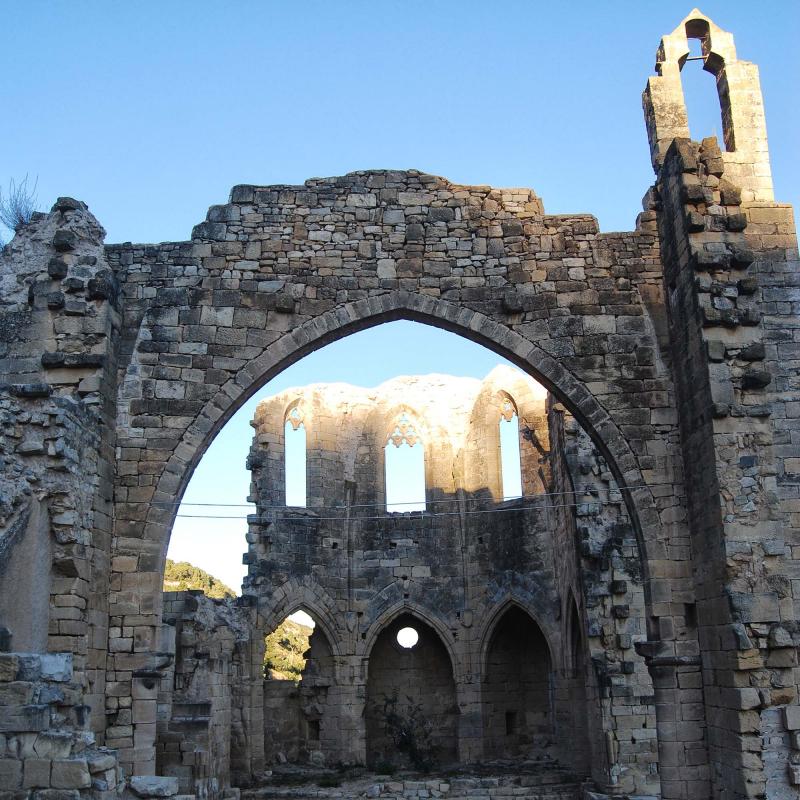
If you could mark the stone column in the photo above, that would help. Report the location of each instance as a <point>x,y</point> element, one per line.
<point>725,387</point>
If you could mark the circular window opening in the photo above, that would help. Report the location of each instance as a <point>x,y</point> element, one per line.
<point>407,637</point>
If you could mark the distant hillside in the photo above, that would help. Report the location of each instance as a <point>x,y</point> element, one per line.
<point>283,658</point>
<point>181,575</point>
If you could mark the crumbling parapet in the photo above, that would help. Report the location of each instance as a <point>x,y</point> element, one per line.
<point>59,308</point>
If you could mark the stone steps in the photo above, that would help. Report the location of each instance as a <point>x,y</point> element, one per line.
<point>559,791</point>
<point>544,784</point>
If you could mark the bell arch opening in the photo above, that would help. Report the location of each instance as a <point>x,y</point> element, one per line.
<point>705,104</point>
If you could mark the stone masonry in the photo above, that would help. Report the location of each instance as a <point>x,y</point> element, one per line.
<point>670,354</point>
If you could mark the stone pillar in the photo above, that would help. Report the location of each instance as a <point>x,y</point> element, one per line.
<point>470,721</point>
<point>59,328</point>
<point>678,695</point>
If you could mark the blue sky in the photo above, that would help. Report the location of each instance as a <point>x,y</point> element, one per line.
<point>151,111</point>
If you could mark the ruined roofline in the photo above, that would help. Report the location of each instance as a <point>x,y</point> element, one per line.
<point>519,202</point>
<point>468,384</point>
<point>339,181</point>
<point>347,386</point>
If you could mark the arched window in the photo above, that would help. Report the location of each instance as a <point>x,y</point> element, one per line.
<point>294,450</point>
<point>509,449</point>
<point>405,468</point>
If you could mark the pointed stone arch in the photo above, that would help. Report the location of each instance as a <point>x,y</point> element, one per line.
<point>518,679</point>
<point>494,615</point>
<point>363,314</point>
<point>312,599</point>
<point>390,614</point>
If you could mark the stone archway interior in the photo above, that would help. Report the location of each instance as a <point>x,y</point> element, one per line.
<point>576,696</point>
<point>300,713</point>
<point>517,703</point>
<point>410,688</point>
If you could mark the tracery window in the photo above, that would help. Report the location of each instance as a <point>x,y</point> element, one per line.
<point>404,458</point>
<point>510,466</point>
<point>294,451</point>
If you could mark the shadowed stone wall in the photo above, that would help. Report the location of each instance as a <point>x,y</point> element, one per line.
<point>471,567</point>
<point>516,694</point>
<point>420,680</point>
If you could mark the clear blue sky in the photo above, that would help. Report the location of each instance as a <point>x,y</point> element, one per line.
<point>151,111</point>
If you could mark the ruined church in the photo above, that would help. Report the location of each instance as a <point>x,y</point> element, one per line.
<point>625,623</point>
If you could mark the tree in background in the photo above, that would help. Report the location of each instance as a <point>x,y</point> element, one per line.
<point>181,575</point>
<point>284,657</point>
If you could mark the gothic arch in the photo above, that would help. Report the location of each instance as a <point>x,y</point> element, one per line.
<point>424,615</point>
<point>362,314</point>
<point>313,600</point>
<point>497,612</point>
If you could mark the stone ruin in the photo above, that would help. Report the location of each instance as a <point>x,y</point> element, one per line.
<point>642,638</point>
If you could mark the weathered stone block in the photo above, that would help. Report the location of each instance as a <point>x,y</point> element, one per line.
<point>36,773</point>
<point>65,240</point>
<point>9,666</point>
<point>10,774</point>
<point>791,717</point>
<point>70,774</point>
<point>153,786</point>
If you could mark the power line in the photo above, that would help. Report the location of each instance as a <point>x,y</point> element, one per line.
<point>173,503</point>
<point>421,514</point>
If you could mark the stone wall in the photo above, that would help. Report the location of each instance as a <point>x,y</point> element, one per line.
<point>60,320</point>
<point>471,564</point>
<point>206,325</point>
<point>735,369</point>
<point>516,692</point>
<point>410,689</point>
<point>46,747</point>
